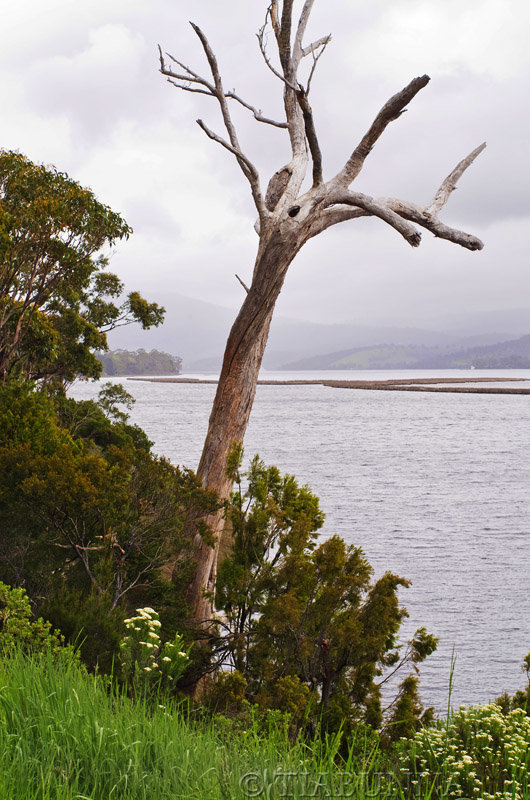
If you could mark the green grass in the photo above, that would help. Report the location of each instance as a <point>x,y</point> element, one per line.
<point>63,736</point>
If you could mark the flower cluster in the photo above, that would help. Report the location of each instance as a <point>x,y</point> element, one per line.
<point>145,659</point>
<point>478,752</point>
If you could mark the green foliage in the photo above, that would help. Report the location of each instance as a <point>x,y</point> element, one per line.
<point>521,698</point>
<point>57,301</point>
<point>111,397</point>
<point>139,362</point>
<point>408,714</point>
<point>301,620</point>
<point>86,619</point>
<point>90,516</point>
<point>227,694</point>
<point>17,629</point>
<point>476,752</point>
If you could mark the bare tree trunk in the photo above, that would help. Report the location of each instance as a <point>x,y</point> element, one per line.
<point>234,398</point>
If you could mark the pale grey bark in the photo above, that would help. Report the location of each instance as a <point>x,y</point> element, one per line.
<point>286,220</point>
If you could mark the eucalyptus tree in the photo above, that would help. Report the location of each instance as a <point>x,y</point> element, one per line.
<point>288,216</point>
<point>57,300</point>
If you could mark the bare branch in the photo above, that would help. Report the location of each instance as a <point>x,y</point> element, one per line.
<point>315,62</point>
<point>190,81</point>
<point>245,287</point>
<point>322,42</point>
<point>311,134</point>
<point>247,167</point>
<point>250,169</point>
<point>390,111</point>
<point>272,12</point>
<point>183,81</point>
<point>189,88</point>
<point>298,52</point>
<point>444,192</point>
<point>365,206</point>
<point>414,213</point>
<point>219,91</point>
<point>334,216</point>
<point>284,41</point>
<point>257,114</point>
<point>293,112</point>
<point>189,76</point>
<point>382,209</point>
<point>263,49</point>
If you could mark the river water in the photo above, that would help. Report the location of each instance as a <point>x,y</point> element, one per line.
<point>435,487</point>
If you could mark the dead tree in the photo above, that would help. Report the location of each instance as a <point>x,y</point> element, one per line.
<point>287,219</point>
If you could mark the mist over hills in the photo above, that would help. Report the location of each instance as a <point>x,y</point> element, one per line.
<point>197,332</point>
<point>514,353</point>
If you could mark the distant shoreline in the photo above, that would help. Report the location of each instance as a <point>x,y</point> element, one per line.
<point>402,385</point>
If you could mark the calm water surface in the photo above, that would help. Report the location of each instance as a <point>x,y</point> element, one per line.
<point>435,487</point>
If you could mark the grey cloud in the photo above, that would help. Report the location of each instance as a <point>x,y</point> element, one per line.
<point>100,84</point>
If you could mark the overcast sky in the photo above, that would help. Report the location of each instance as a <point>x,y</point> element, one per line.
<point>80,88</point>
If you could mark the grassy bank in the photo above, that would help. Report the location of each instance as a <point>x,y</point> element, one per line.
<point>63,736</point>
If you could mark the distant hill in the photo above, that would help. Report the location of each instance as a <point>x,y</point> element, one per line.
<point>381,356</point>
<point>512,354</point>
<point>198,331</point>
<point>139,362</point>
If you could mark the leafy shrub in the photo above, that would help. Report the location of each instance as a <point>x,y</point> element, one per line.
<point>301,620</point>
<point>17,629</point>
<point>521,698</point>
<point>90,517</point>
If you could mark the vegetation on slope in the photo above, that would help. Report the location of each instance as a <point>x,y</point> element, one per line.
<point>513,354</point>
<point>139,362</point>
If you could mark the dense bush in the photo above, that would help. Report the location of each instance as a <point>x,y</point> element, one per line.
<point>301,620</point>
<point>19,630</point>
<point>89,516</point>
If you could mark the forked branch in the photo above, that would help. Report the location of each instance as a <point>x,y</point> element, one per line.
<point>300,31</point>
<point>190,81</point>
<point>388,209</point>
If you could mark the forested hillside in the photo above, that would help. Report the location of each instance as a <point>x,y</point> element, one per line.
<point>139,362</point>
<point>513,354</point>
